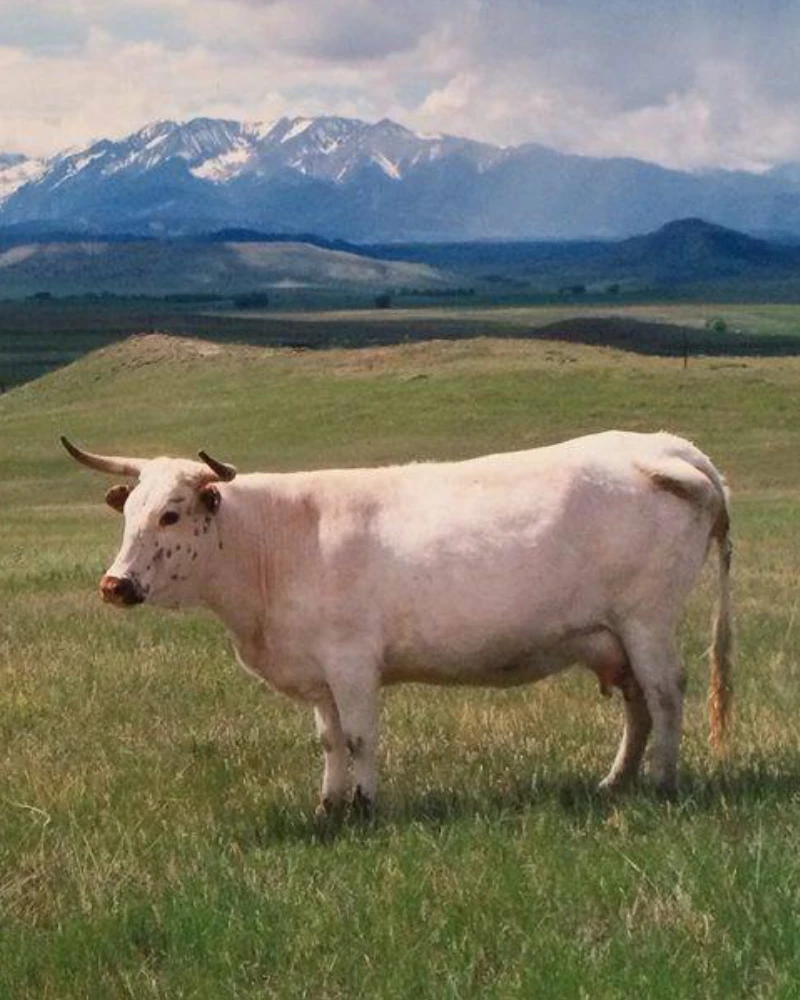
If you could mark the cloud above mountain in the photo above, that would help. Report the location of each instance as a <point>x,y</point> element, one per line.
<point>693,84</point>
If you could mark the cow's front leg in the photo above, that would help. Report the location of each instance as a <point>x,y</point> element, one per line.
<point>335,778</point>
<point>355,691</point>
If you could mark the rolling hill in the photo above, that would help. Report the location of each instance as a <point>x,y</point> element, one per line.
<point>681,256</point>
<point>152,267</point>
<point>688,257</point>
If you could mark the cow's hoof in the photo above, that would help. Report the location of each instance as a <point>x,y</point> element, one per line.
<point>667,791</point>
<point>363,807</point>
<point>613,786</point>
<point>616,784</point>
<point>329,811</point>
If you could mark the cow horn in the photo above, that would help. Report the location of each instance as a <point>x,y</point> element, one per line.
<point>104,463</point>
<point>224,471</point>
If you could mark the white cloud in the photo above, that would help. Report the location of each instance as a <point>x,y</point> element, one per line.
<point>686,84</point>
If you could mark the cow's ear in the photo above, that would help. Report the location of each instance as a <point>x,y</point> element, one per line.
<point>117,496</point>
<point>210,498</point>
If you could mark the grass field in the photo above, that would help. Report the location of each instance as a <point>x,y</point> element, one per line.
<point>37,337</point>
<point>156,838</point>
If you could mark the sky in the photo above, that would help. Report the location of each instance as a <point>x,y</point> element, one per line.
<point>692,84</point>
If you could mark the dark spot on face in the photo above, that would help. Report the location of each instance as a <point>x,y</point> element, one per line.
<point>169,553</point>
<point>196,532</point>
<point>174,576</point>
<point>177,548</point>
<point>205,529</point>
<point>194,556</point>
<point>220,545</point>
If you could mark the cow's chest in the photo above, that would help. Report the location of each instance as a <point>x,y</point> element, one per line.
<point>283,667</point>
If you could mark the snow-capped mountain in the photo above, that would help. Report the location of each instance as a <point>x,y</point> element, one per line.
<point>334,149</point>
<point>195,143</point>
<point>17,170</point>
<point>221,151</point>
<point>368,182</point>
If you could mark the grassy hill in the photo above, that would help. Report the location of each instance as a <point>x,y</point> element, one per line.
<point>36,337</point>
<point>153,267</point>
<point>155,832</point>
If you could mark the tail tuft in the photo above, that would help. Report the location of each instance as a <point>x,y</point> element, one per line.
<point>720,696</point>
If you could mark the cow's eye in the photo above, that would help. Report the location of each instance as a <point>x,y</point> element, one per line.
<point>169,517</point>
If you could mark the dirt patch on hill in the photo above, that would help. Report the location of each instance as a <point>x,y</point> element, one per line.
<point>142,349</point>
<point>147,348</point>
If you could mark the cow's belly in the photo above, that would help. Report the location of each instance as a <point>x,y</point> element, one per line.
<point>503,666</point>
<point>523,669</point>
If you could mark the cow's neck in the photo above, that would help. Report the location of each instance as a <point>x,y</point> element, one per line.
<point>263,538</point>
<point>233,588</point>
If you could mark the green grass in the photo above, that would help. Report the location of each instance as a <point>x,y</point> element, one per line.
<point>156,838</point>
<point>38,337</point>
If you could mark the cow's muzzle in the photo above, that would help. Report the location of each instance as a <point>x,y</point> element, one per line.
<point>121,590</point>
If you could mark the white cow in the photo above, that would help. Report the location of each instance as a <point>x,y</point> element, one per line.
<point>493,571</point>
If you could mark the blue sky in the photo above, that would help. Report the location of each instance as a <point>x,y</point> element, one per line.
<point>688,83</point>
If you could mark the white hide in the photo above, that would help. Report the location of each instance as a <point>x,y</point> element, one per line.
<point>492,571</point>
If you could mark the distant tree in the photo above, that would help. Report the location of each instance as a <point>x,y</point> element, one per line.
<point>717,325</point>
<point>251,300</point>
<point>383,301</point>
<point>613,289</point>
<point>42,296</point>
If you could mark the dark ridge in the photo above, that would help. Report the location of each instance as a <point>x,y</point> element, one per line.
<point>665,339</point>
<point>692,243</point>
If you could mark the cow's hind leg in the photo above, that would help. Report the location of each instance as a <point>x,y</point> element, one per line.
<point>638,724</point>
<point>654,661</point>
<point>335,778</point>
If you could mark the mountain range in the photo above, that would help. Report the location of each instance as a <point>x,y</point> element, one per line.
<point>342,178</point>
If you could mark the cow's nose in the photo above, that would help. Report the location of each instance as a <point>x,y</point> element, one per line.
<point>120,590</point>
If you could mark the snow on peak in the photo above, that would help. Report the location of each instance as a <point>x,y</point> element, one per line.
<point>298,127</point>
<point>260,130</point>
<point>386,165</point>
<point>17,172</point>
<point>223,167</point>
<point>155,130</point>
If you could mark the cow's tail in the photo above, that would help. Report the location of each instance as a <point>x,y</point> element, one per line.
<point>689,474</point>
<point>720,695</point>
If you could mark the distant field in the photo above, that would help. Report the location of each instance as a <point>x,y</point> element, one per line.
<point>37,337</point>
<point>155,818</point>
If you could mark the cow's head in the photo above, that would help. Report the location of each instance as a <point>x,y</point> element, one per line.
<point>170,526</point>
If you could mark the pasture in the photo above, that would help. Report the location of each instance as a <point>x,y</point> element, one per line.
<point>156,833</point>
<point>40,336</point>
